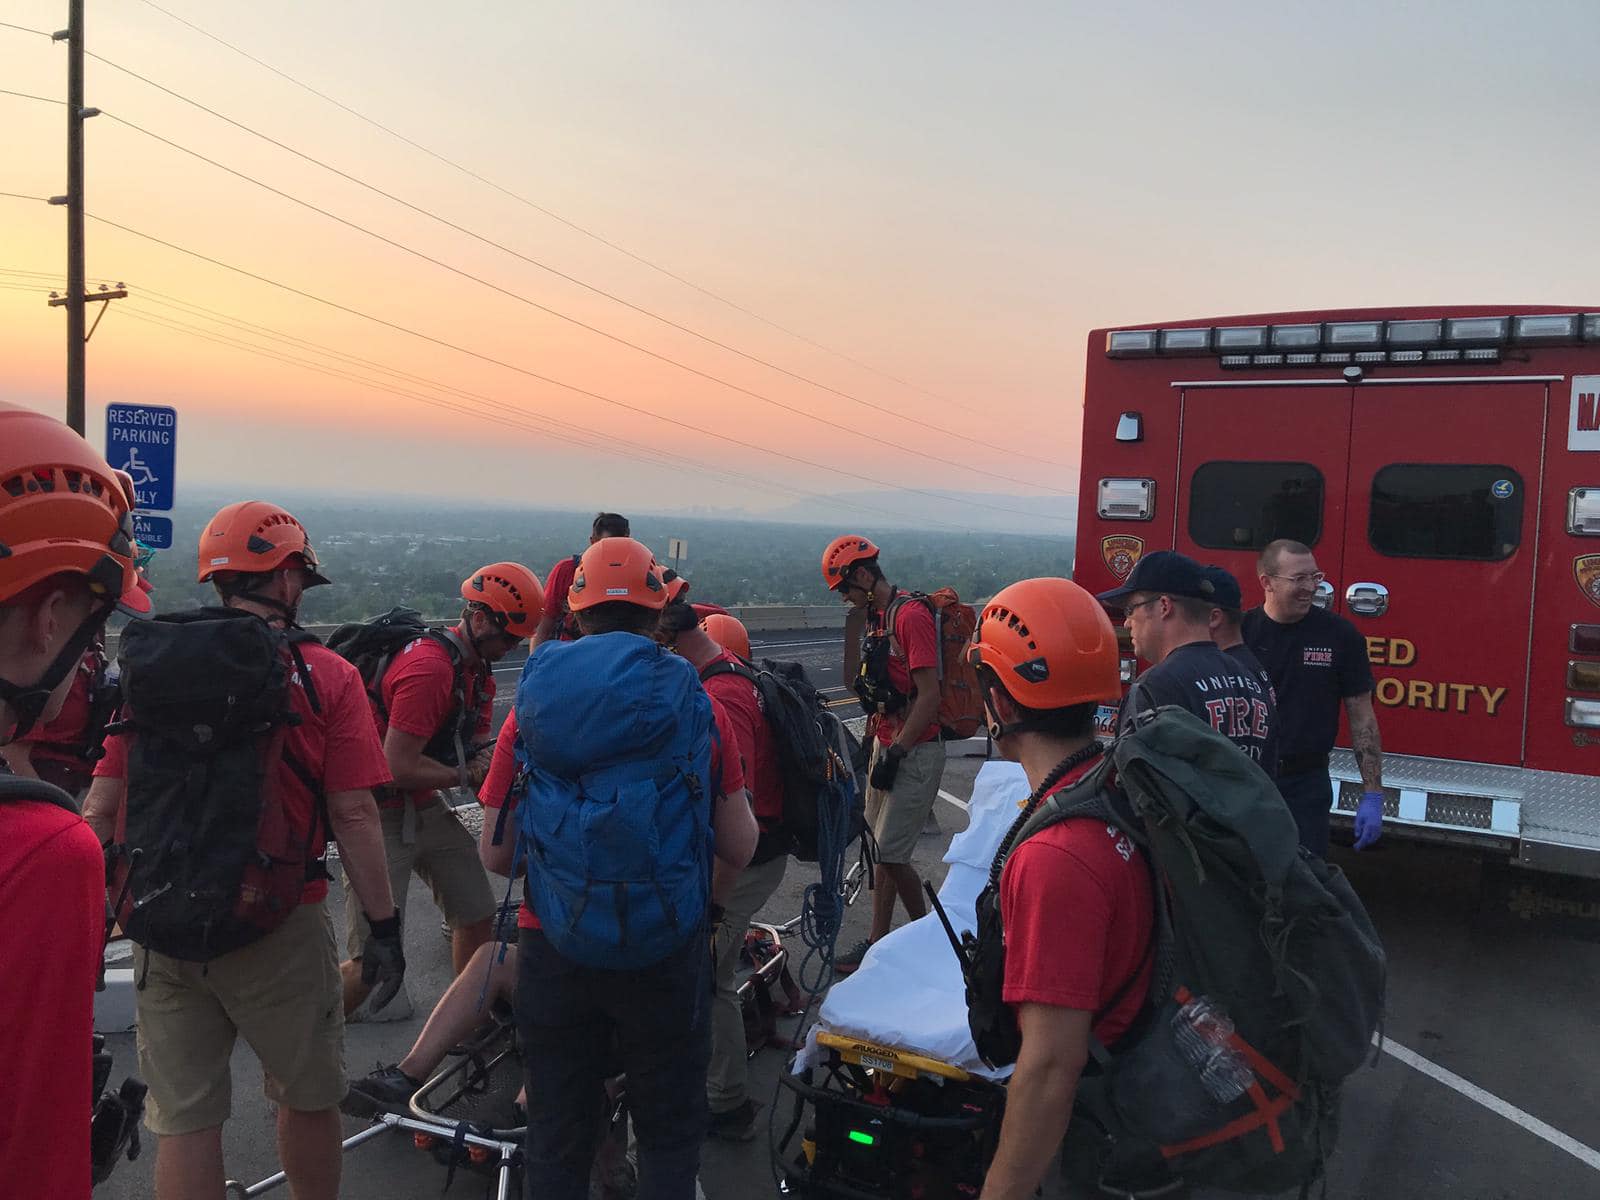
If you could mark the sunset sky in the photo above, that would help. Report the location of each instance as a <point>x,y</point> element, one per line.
<point>949,194</point>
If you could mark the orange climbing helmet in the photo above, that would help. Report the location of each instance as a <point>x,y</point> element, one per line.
<point>511,592</point>
<point>1050,645</point>
<point>677,585</point>
<point>728,632</point>
<point>254,537</point>
<point>617,569</point>
<point>63,511</point>
<point>842,554</point>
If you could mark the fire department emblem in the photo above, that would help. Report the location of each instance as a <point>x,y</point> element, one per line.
<point>1586,570</point>
<point>1122,551</point>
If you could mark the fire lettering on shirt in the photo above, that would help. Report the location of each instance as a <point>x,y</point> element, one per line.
<point>1123,846</point>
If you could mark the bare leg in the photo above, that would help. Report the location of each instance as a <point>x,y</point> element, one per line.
<point>464,942</point>
<point>310,1150</point>
<point>909,884</point>
<point>457,1014</point>
<point>354,990</point>
<point>892,881</point>
<point>883,897</point>
<point>189,1165</point>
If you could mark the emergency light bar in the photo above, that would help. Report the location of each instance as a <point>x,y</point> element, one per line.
<point>1332,343</point>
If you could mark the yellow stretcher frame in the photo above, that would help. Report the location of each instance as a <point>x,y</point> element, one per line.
<point>875,1057</point>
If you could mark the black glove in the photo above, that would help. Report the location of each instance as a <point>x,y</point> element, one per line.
<point>887,767</point>
<point>383,961</point>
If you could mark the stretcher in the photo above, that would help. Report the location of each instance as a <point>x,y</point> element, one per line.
<point>889,1099</point>
<point>466,1114</point>
<point>467,1118</point>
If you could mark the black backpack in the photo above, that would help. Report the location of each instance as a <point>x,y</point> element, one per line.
<point>1272,936</point>
<point>370,646</point>
<point>821,788</point>
<point>212,861</point>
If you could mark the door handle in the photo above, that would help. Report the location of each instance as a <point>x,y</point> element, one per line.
<point>1367,599</point>
<point>1323,596</point>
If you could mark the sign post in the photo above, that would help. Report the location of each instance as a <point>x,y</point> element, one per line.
<point>142,439</point>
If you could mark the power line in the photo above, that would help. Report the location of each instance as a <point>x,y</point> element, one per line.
<point>557,217</point>
<point>544,308</point>
<point>650,456</point>
<point>31,96</point>
<point>561,426</point>
<point>24,29</point>
<point>570,387</point>
<point>543,266</point>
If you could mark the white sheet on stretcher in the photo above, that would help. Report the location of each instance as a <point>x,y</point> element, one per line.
<point>908,992</point>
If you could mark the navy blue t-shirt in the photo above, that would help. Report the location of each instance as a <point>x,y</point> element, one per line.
<point>1315,664</point>
<point>1223,692</point>
<point>1244,655</point>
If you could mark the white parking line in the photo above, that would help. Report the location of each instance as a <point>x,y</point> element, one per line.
<point>956,800</point>
<point>1584,1154</point>
<point>792,645</point>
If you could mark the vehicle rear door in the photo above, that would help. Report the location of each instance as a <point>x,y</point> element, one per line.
<point>1439,552</point>
<point>1257,463</point>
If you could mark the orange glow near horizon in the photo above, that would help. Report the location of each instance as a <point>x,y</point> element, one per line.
<point>952,219</point>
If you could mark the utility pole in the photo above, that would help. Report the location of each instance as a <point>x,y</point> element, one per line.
<point>76,301</point>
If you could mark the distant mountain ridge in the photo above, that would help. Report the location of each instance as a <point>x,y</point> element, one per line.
<point>1038,515</point>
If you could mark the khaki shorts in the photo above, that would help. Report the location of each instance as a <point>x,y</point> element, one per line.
<point>444,856</point>
<point>898,815</point>
<point>282,994</point>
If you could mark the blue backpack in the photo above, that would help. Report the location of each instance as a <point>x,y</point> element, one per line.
<point>614,747</point>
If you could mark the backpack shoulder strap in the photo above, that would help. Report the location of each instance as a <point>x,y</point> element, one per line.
<point>294,638</point>
<point>15,788</point>
<point>712,670</point>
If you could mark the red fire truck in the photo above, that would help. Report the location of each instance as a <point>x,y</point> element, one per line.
<point>1444,465</point>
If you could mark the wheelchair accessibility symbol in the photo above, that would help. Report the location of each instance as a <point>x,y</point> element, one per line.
<point>138,470</point>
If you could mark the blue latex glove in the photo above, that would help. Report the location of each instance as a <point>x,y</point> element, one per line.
<point>1369,819</point>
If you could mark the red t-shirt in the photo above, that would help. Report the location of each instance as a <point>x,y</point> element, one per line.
<point>556,586</point>
<point>913,646</point>
<point>741,701</point>
<point>725,768</point>
<point>62,737</point>
<point>419,690</point>
<point>339,745</point>
<point>1078,913</point>
<point>52,896</point>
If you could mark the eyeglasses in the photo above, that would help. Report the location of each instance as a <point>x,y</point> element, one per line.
<point>1312,577</point>
<point>1129,609</point>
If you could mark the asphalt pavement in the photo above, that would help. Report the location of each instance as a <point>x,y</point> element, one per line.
<point>1487,1088</point>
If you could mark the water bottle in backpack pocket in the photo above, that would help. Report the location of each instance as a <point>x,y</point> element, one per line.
<point>1180,1079</point>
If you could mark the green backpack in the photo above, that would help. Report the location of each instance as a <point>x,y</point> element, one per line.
<point>1241,1092</point>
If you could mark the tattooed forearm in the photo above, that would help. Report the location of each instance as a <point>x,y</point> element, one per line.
<point>1365,742</point>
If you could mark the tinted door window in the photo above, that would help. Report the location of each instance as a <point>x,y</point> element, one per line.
<point>1245,505</point>
<point>1446,510</point>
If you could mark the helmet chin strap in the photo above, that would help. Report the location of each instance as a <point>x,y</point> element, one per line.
<point>27,701</point>
<point>473,639</point>
<point>256,594</point>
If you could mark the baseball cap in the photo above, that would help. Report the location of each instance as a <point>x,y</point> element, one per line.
<point>1167,572</point>
<point>1225,587</point>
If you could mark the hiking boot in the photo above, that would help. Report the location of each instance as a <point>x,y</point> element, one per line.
<point>735,1125</point>
<point>846,963</point>
<point>388,1089</point>
<point>398,1009</point>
